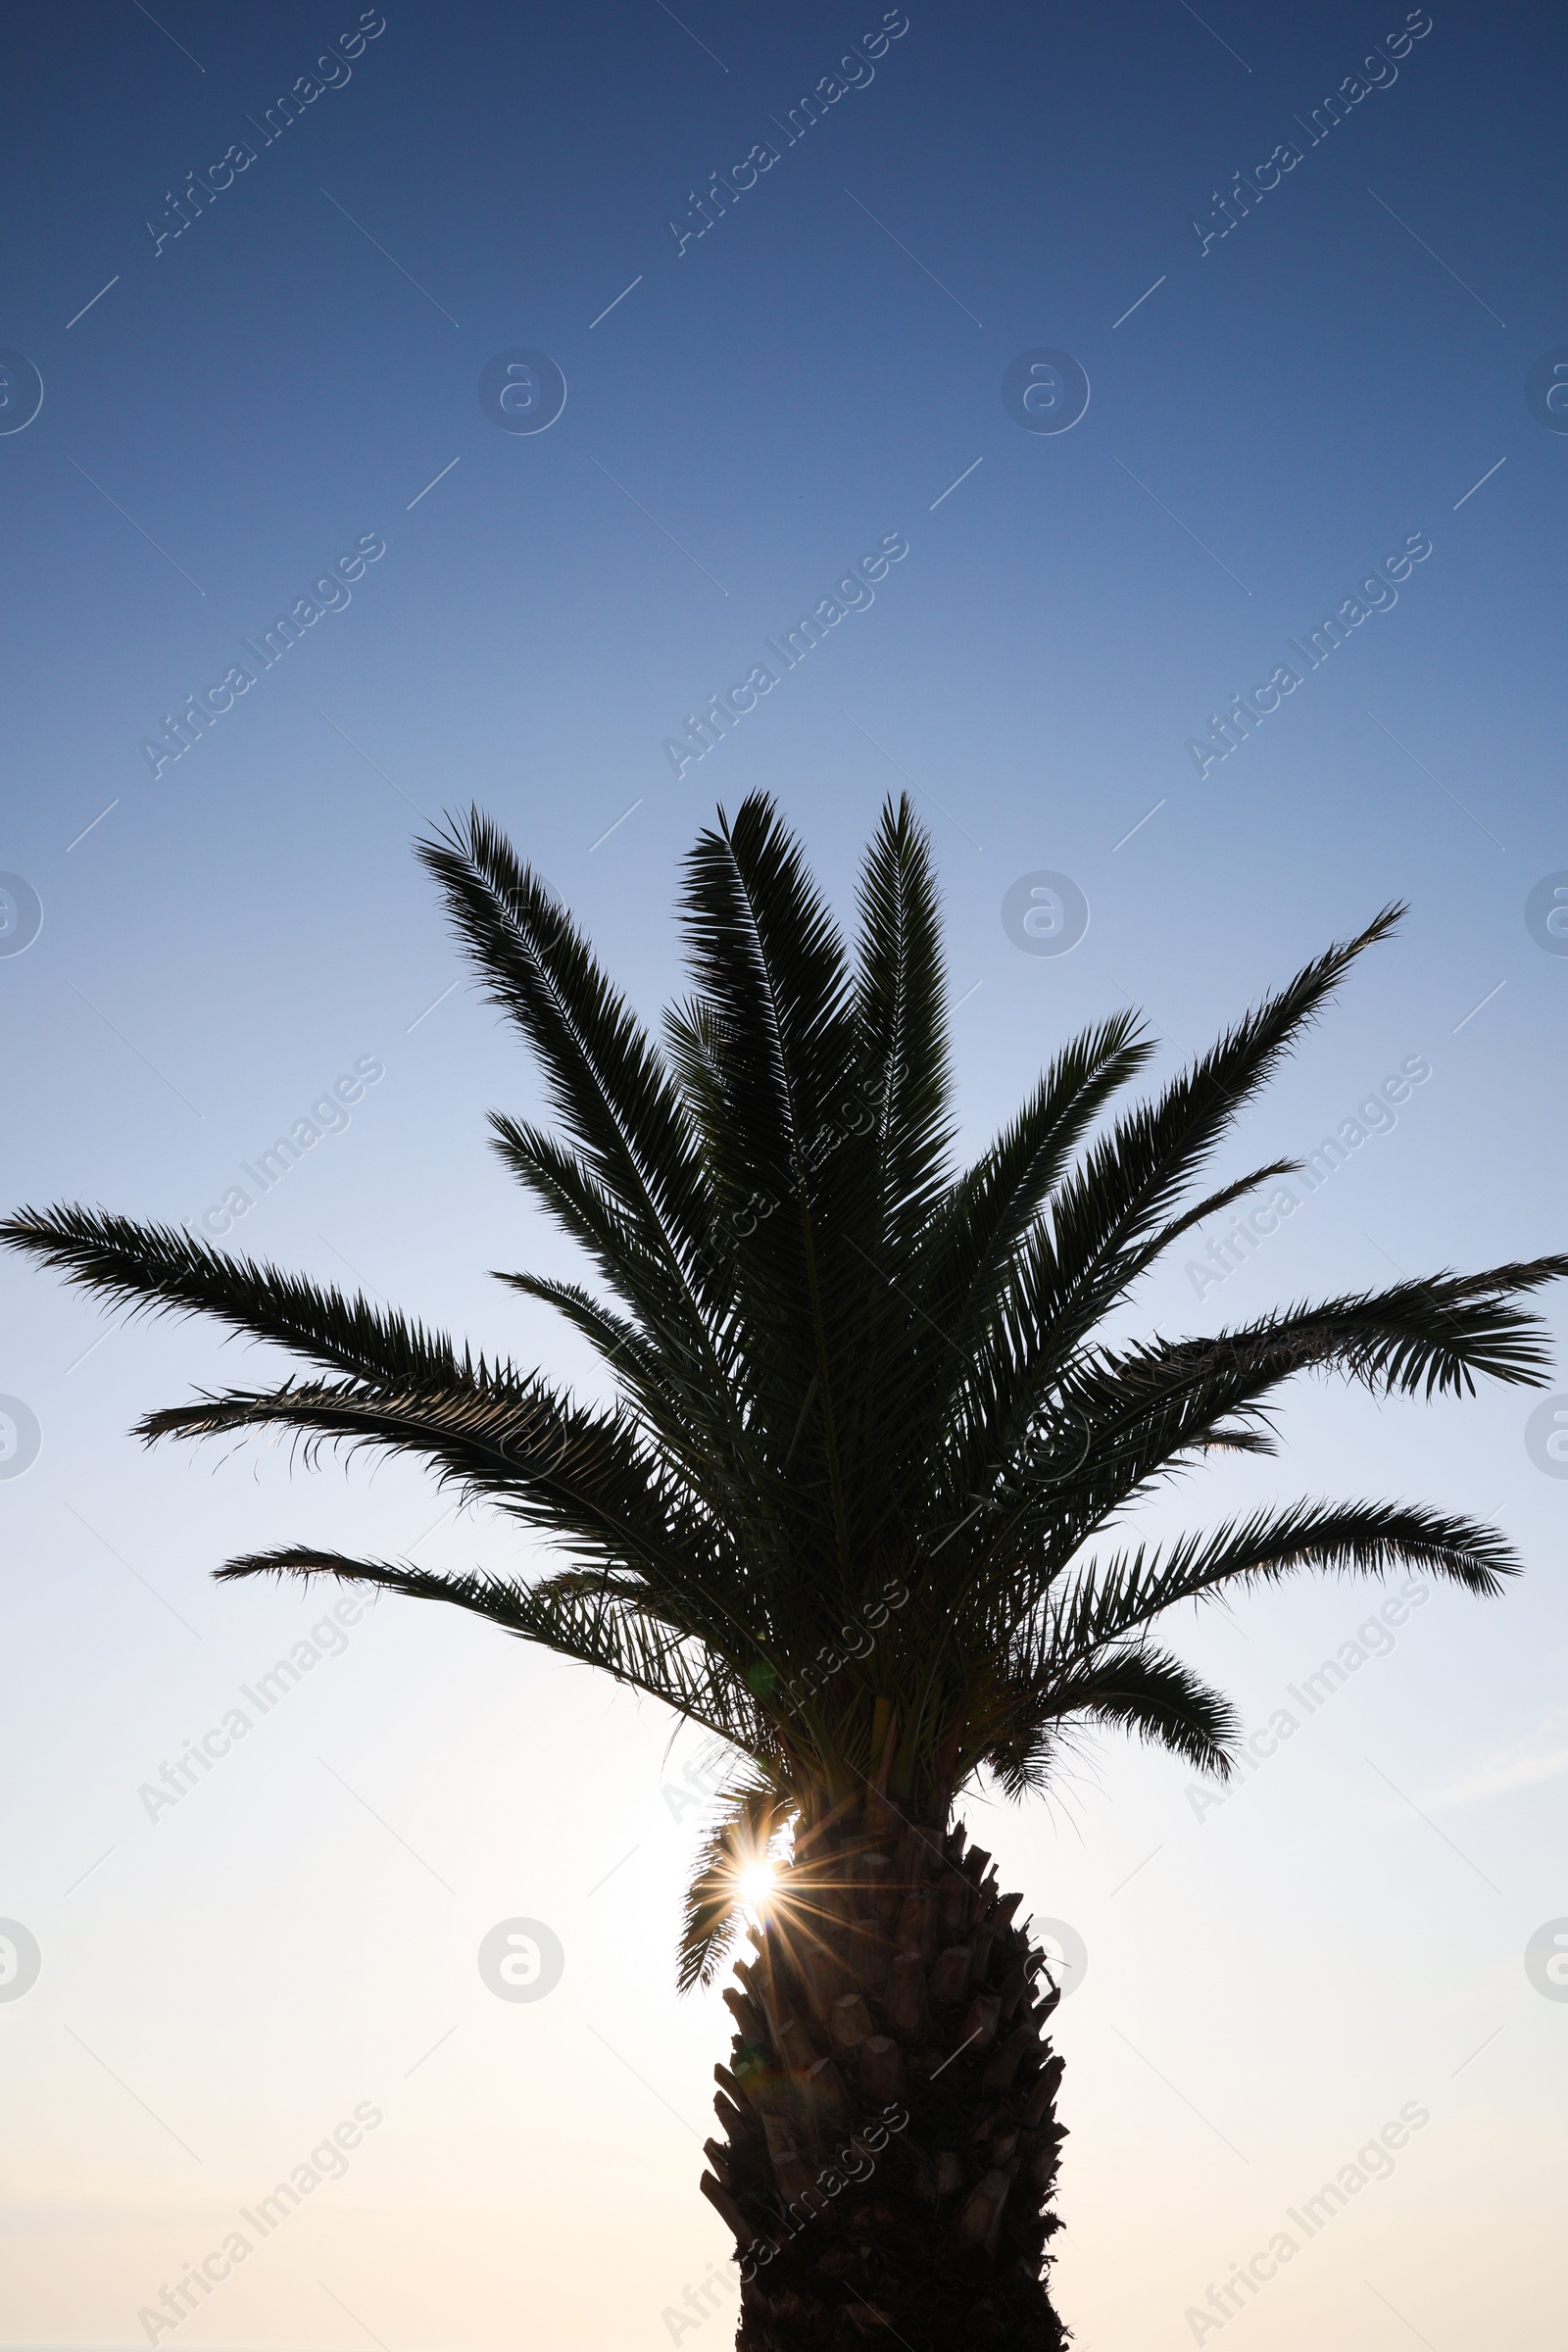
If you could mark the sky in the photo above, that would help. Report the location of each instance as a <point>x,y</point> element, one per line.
<point>1068,370</point>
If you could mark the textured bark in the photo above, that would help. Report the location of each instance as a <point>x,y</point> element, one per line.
<point>890,2026</point>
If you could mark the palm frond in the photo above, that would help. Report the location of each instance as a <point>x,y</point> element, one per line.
<point>606,1081</point>
<point>1134,1414</point>
<point>840,1368</point>
<point>1135,1689</point>
<point>1341,1539</point>
<point>1211,1206</point>
<point>160,1269</point>
<point>990,1211</point>
<point>742,1837</point>
<point>577,1618</point>
<point>1106,1220</point>
<point>900,1004</point>
<point>523,1448</point>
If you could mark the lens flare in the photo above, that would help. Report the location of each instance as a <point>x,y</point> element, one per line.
<point>757,1883</point>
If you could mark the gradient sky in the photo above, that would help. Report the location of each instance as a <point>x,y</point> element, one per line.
<point>296,375</point>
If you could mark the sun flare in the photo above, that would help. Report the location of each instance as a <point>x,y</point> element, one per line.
<point>757,1883</point>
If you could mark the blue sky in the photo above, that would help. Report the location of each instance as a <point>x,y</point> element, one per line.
<point>292,382</point>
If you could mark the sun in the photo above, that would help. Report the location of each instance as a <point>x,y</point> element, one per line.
<point>756,1881</point>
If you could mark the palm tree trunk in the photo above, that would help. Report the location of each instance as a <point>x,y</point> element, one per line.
<point>889,2139</point>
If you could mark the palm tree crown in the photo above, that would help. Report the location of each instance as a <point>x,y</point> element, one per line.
<point>865,1415</point>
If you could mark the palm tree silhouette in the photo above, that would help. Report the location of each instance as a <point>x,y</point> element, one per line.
<point>865,1421</point>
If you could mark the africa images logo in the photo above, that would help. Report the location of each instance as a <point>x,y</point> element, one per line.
<point>21,391</point>
<point>20,1437</point>
<point>1546,1959</point>
<point>523,390</point>
<point>521,1959</point>
<point>1546,1437</point>
<point>20,915</point>
<point>20,1960</point>
<point>1045,914</point>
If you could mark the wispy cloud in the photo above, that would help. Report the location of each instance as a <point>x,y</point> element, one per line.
<point>1540,1755</point>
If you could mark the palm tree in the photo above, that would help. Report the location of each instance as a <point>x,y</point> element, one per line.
<point>865,1420</point>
